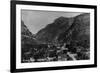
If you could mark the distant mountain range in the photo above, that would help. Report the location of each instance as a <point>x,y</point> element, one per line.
<point>63,29</point>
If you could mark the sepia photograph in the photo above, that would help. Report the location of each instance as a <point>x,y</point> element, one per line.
<point>54,36</point>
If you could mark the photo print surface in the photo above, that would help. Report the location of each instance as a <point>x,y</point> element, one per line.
<point>48,36</point>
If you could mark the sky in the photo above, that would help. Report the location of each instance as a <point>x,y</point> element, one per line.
<point>36,20</point>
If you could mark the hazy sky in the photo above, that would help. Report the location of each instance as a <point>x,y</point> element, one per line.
<point>36,20</point>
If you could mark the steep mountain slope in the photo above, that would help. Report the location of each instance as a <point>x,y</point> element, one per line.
<point>51,32</point>
<point>28,42</point>
<point>67,30</point>
<point>78,32</point>
<point>26,36</point>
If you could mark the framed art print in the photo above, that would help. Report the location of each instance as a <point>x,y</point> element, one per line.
<point>52,36</point>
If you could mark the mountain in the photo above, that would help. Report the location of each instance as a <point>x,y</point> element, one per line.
<point>67,30</point>
<point>79,31</point>
<point>27,38</point>
<point>51,32</point>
